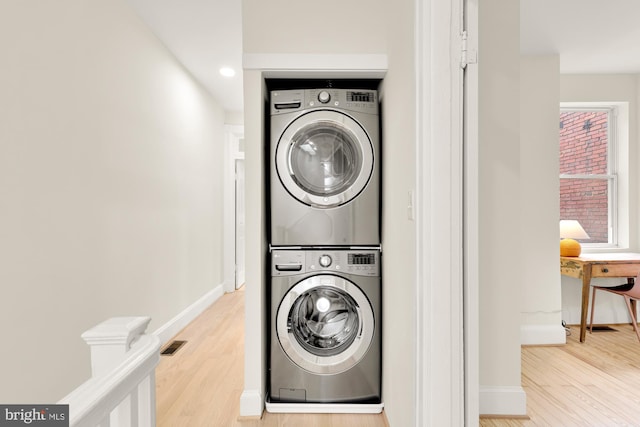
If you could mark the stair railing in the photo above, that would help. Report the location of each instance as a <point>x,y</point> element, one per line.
<point>121,391</point>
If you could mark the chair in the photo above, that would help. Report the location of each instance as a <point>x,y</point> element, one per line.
<point>631,293</point>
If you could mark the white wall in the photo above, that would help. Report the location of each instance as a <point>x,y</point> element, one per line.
<point>234,118</point>
<point>361,27</point>
<point>539,200</point>
<point>398,231</point>
<point>608,88</point>
<point>109,180</point>
<point>332,27</point>
<point>500,237</point>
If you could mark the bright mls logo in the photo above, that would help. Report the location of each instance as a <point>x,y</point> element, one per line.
<point>34,415</point>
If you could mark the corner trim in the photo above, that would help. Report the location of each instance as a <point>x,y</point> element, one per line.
<point>251,403</point>
<point>503,400</point>
<point>175,325</point>
<point>542,335</point>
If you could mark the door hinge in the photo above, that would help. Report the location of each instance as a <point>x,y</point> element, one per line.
<point>467,56</point>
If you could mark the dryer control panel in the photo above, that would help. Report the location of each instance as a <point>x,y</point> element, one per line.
<point>364,262</point>
<point>360,100</point>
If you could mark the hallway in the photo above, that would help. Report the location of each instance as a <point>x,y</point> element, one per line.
<point>201,384</point>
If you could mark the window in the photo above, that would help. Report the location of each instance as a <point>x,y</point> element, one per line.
<point>588,171</point>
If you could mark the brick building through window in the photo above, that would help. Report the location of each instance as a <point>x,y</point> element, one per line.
<point>586,179</point>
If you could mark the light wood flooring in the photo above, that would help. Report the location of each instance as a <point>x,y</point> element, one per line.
<point>596,383</point>
<point>200,385</point>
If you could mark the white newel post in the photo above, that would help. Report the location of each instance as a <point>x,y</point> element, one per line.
<point>109,342</point>
<point>111,339</point>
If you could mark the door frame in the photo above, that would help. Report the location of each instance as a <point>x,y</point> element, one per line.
<point>233,135</point>
<point>240,269</point>
<point>447,379</point>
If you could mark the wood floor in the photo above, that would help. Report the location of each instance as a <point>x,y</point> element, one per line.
<point>596,383</point>
<point>200,385</point>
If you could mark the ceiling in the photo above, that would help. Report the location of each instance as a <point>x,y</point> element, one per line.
<point>591,36</point>
<point>204,35</point>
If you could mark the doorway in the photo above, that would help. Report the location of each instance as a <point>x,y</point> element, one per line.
<point>240,223</point>
<point>234,208</point>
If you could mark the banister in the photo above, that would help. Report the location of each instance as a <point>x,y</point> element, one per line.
<point>133,378</point>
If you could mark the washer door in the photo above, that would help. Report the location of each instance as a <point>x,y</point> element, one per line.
<point>325,324</point>
<point>324,159</point>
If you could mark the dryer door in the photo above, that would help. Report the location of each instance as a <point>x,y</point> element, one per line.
<point>324,159</point>
<point>325,324</point>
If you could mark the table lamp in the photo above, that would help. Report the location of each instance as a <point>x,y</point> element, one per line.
<point>571,229</point>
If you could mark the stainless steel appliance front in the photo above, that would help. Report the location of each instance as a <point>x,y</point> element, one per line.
<point>325,326</point>
<point>324,169</point>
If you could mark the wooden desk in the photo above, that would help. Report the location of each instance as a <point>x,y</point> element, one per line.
<point>588,266</point>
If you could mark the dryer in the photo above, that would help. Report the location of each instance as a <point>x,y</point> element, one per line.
<point>325,342</point>
<point>325,167</point>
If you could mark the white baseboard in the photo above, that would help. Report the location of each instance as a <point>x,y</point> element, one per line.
<point>325,408</point>
<point>229,286</point>
<point>542,335</point>
<point>251,403</point>
<point>505,400</point>
<point>175,325</point>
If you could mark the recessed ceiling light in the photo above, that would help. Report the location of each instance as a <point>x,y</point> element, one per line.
<point>227,71</point>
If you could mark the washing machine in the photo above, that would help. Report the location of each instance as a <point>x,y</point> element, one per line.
<point>325,167</point>
<point>325,342</point>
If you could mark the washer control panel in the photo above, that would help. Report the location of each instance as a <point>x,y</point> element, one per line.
<point>286,262</point>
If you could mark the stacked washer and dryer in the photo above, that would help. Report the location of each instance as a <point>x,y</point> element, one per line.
<point>325,290</point>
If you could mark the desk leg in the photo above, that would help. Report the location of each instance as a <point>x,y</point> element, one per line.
<point>586,285</point>
<point>634,306</point>
<point>634,310</point>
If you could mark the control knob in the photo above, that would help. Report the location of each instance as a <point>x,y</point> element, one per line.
<point>324,97</point>
<point>325,261</point>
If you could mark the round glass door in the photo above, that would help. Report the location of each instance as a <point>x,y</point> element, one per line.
<point>324,159</point>
<point>325,324</point>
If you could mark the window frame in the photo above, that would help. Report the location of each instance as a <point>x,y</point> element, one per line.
<point>617,114</point>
